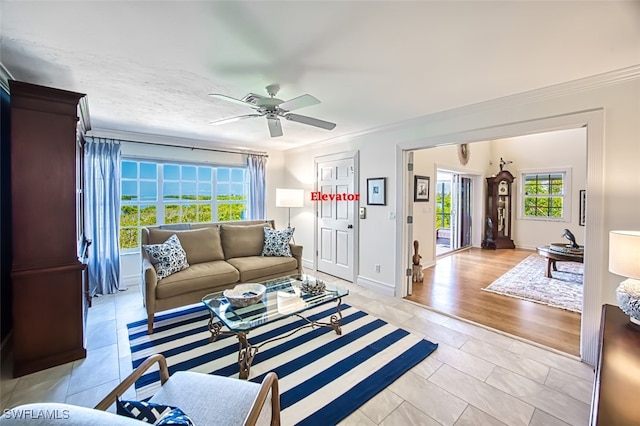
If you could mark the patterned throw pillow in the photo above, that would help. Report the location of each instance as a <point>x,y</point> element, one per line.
<point>276,243</point>
<point>168,257</point>
<point>150,412</point>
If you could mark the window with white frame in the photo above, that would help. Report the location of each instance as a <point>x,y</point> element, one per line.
<point>545,195</point>
<point>158,193</point>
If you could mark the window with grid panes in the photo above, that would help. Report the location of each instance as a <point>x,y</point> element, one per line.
<point>155,193</point>
<point>544,195</point>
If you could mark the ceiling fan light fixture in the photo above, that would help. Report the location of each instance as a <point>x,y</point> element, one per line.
<point>273,108</point>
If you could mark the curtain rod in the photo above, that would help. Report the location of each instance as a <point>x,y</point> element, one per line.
<point>229,151</point>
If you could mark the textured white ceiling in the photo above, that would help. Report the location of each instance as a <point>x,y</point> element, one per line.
<point>147,67</point>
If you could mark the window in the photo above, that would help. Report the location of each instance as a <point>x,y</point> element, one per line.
<point>154,193</point>
<point>544,195</point>
<point>443,204</point>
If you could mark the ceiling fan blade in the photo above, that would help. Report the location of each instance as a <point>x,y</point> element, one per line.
<point>232,119</point>
<point>310,121</point>
<point>234,100</point>
<point>275,128</point>
<point>301,101</point>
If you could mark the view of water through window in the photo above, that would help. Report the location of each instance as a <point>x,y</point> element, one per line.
<point>154,193</point>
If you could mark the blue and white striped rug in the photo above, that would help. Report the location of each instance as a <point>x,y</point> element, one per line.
<point>323,377</point>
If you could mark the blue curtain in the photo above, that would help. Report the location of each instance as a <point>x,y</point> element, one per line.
<point>257,186</point>
<point>102,213</point>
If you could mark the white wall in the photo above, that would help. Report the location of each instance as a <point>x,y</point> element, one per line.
<point>426,163</point>
<point>614,195</point>
<point>377,232</point>
<point>539,152</point>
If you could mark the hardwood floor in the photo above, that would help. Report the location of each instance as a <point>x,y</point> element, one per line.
<point>454,284</point>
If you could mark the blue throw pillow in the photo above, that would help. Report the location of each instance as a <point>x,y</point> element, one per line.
<point>150,412</point>
<point>276,243</point>
<point>167,258</point>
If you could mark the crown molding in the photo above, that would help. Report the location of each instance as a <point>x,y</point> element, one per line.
<point>5,76</point>
<point>85,122</point>
<point>178,142</point>
<point>585,84</point>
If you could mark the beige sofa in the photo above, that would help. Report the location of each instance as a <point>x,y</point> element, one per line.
<point>220,255</point>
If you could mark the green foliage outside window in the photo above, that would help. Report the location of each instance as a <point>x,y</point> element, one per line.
<point>184,194</point>
<point>544,195</point>
<point>130,221</point>
<point>443,205</point>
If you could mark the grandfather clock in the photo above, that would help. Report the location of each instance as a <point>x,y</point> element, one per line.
<point>499,207</point>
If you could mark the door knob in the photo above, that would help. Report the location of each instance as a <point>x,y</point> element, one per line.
<point>349,226</point>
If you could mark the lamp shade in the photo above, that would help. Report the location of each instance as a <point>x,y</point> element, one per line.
<point>289,197</point>
<point>624,253</point>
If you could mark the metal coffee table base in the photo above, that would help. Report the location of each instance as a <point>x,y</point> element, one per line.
<point>247,351</point>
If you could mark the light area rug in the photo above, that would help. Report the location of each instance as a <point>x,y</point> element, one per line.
<point>527,281</point>
<point>323,377</point>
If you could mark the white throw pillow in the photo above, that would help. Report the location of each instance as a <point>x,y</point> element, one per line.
<point>167,258</point>
<point>276,243</point>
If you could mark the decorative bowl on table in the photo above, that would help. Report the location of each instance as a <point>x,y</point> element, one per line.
<point>313,285</point>
<point>244,294</point>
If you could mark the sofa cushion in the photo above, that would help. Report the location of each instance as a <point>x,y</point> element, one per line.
<point>254,267</point>
<point>198,277</point>
<point>167,258</point>
<point>201,245</point>
<point>242,240</point>
<point>276,243</point>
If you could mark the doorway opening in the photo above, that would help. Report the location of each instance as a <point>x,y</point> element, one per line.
<point>453,284</point>
<point>453,211</point>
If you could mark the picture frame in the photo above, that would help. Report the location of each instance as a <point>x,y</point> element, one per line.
<point>421,185</point>
<point>377,191</point>
<point>582,220</point>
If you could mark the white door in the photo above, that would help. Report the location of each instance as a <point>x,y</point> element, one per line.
<point>336,217</point>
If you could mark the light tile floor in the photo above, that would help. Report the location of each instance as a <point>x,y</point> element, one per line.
<point>476,377</point>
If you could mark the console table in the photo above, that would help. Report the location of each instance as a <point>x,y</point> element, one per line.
<point>617,381</point>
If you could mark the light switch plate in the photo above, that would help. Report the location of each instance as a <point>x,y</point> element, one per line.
<point>363,212</point>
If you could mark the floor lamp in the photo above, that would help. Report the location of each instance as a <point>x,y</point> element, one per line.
<point>289,198</point>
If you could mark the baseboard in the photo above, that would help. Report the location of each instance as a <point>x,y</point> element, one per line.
<point>428,265</point>
<point>131,280</point>
<point>307,264</point>
<point>377,286</point>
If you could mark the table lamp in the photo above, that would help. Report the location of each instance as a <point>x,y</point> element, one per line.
<point>624,259</point>
<point>289,198</point>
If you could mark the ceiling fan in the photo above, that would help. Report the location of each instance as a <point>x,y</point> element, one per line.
<point>274,108</point>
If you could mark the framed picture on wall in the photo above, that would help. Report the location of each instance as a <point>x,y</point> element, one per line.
<point>376,192</point>
<point>583,208</point>
<point>420,188</point>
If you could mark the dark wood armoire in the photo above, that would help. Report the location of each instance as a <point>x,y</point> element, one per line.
<point>49,268</point>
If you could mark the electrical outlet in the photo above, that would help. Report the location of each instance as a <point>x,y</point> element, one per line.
<point>377,267</point>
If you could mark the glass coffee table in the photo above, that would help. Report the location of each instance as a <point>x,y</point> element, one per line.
<point>284,297</point>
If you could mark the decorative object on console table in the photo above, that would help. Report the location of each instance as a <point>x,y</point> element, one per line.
<point>376,192</point>
<point>499,207</point>
<point>289,198</point>
<point>421,188</point>
<point>624,259</point>
<point>48,275</point>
